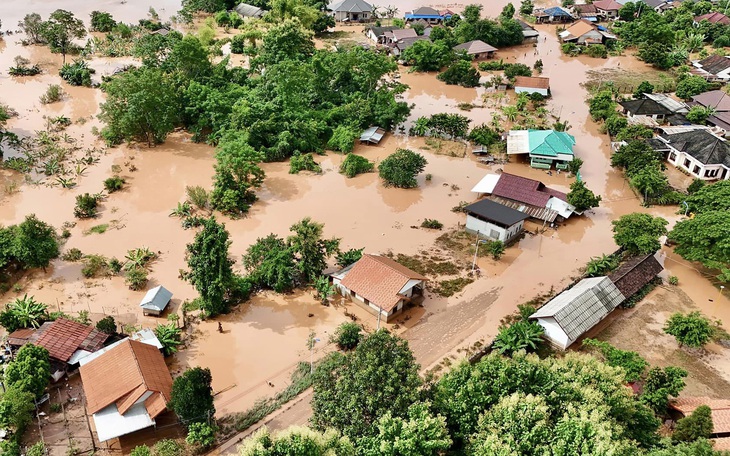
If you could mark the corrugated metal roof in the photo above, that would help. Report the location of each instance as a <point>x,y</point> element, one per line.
<point>486,185</point>
<point>668,102</point>
<point>156,299</point>
<point>541,213</point>
<point>496,212</point>
<point>351,6</point>
<point>246,10</point>
<point>372,135</point>
<point>579,309</point>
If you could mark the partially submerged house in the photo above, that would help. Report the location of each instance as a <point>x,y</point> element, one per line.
<point>377,34</point>
<point>532,84</point>
<point>398,34</point>
<point>381,284</point>
<point>712,68</point>
<point>635,273</point>
<point>526,195</point>
<point>155,301</point>
<point>401,45</point>
<point>697,151</point>
<point>127,387</point>
<point>585,32</point>
<point>713,18</point>
<point>246,10</point>
<point>545,148</point>
<point>586,11</point>
<point>529,33</point>
<point>372,135</point>
<point>674,106</point>
<point>351,10</point>
<point>428,14</point>
<point>555,14</point>
<point>572,313</point>
<point>643,109</point>
<point>607,9</point>
<point>476,49</point>
<point>495,221</point>
<point>720,412</point>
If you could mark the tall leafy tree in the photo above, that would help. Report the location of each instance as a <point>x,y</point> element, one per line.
<point>237,176</point>
<point>32,25</point>
<point>35,243</point>
<point>401,168</point>
<point>582,197</point>
<point>192,396</point>
<point>705,238</point>
<point>210,267</point>
<point>639,233</point>
<point>714,197</point>
<point>311,250</point>
<point>693,330</point>
<point>296,441</point>
<point>695,426</point>
<point>30,371</point>
<point>660,384</point>
<point>270,264</point>
<point>61,29</point>
<point>286,41</point>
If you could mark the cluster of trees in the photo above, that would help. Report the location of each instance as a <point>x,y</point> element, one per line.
<point>371,401</point>
<point>644,167</point>
<point>59,31</point>
<point>452,126</point>
<point>639,233</point>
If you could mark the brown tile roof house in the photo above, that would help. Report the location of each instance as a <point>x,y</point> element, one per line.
<point>587,9</point>
<point>126,388</point>
<point>379,280</point>
<point>715,99</point>
<point>62,338</point>
<point>21,337</point>
<point>720,411</point>
<point>524,190</point>
<point>631,276</point>
<point>476,47</point>
<point>607,5</point>
<point>714,18</point>
<point>532,82</point>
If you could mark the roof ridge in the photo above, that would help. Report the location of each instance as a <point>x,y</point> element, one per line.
<point>388,265</point>
<point>137,363</point>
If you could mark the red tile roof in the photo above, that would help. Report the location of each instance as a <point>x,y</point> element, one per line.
<point>608,5</point>
<point>379,280</point>
<point>720,410</point>
<point>714,18</point>
<point>524,190</point>
<point>21,336</point>
<point>123,375</point>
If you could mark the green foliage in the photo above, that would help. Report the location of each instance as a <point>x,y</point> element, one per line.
<point>704,238</point>
<point>32,25</point>
<point>693,330</point>
<point>575,165</point>
<point>287,40</point>
<point>102,22</point>
<point>114,184</point>
<point>37,449</point>
<point>431,224</point>
<point>353,165</point>
<point>198,196</point>
<point>602,105</point>
<point>401,168</point>
<point>581,197</point>
<point>460,73</point>
<point>295,441</point>
<point>86,206</point>
<point>169,337</point>
<point>348,257</point>
<point>60,30</point>
<point>77,73</point>
<point>23,312</point>
<point>633,132</point>
<point>237,176</point>
<point>167,447</point>
<point>673,280</point>
<point>695,186</point>
<point>33,243</point>
<point>210,267</point>
<point>303,162</point>
<point>379,378</point>
<point>615,124</point>
<point>526,7</point>
<point>29,371</point>
<point>136,278</point>
<point>200,435</point>
<point>347,335</point>
<point>142,450</point>
<point>343,139</point>
<point>601,266</point>
<point>496,249</point>
<point>310,249</point>
<point>695,426</point>
<point>192,396</point>
<point>707,198</point>
<point>450,125</point>
<point>107,325</point>
<point>483,135</point>
<point>94,265</point>
<point>631,362</point>
<point>659,385</point>
<point>270,264</point>
<point>517,69</point>
<point>643,88</point>
<point>635,156</point>
<point>324,289</point>
<point>22,67</point>
<point>598,51</point>
<point>699,114</point>
<point>16,410</point>
<point>639,233</point>
<point>521,335</point>
<point>426,55</point>
<point>691,86</point>
<point>53,93</point>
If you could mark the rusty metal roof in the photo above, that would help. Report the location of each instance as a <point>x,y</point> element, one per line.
<point>631,276</point>
<point>63,337</point>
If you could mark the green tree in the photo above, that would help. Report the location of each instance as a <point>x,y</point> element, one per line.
<point>142,450</point>
<point>237,175</point>
<point>695,426</point>
<point>420,433</point>
<point>616,123</point>
<point>200,435</point>
<point>16,409</point>
<point>650,182</point>
<point>324,289</point>
<point>24,312</point>
<point>286,41</point>
<point>483,135</point>
<point>102,22</point>
<point>659,385</point>
<point>706,198</point>
<point>693,330</point>
<point>210,267</point>
<point>425,55</point>
<point>35,243</point>
<point>296,441</point>
<point>517,69</point>
<point>349,257</point>
<point>30,371</point>
<point>343,139</point>
<point>347,335</point>
<point>141,104</point>
<point>107,325</point>
<point>460,73</point>
<point>310,250</point>
<point>701,447</point>
<point>379,377</point>
<point>575,165</point>
<point>32,25</point>
<point>602,105</point>
<point>631,362</point>
<point>401,168</point>
<point>643,88</point>
<point>699,114</point>
<point>190,58</point>
<point>60,30</point>
<point>704,238</point>
<point>353,165</point>
<point>639,233</point>
<point>169,337</point>
<point>691,86</point>
<point>581,197</point>
<point>526,7</point>
<point>451,125</point>
<point>635,156</point>
<point>192,396</point>
<point>270,264</point>
<point>521,335</point>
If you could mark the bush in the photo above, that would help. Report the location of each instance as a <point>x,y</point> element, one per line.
<point>72,254</point>
<point>695,426</point>
<point>693,330</point>
<point>167,447</point>
<point>198,196</point>
<point>347,336</point>
<point>483,135</point>
<point>348,257</point>
<point>496,249</point>
<point>93,266</point>
<point>142,450</point>
<point>570,49</point>
<point>201,435</point>
<point>115,265</point>
<point>493,65</point>
<point>102,22</point>
<point>238,44</point>
<point>353,165</point>
<point>673,280</point>
<point>54,93</point>
<point>596,50</point>
<point>460,73</point>
<point>22,68</point>
<point>107,325</point>
<point>517,69</point>
<point>343,139</point>
<point>303,162</point>
<point>114,184</point>
<point>401,168</point>
<point>77,73</point>
<point>38,449</point>
<point>86,206</point>
<point>136,278</point>
<point>696,185</point>
<point>432,224</point>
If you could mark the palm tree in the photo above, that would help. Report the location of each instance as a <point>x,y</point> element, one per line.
<point>28,312</point>
<point>169,337</point>
<point>694,41</point>
<point>138,258</point>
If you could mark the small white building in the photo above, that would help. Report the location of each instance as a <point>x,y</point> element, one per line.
<point>380,284</point>
<point>155,301</point>
<point>351,10</point>
<point>530,85</point>
<point>494,221</point>
<point>569,315</point>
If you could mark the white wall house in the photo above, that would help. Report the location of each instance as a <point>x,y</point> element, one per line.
<point>494,221</point>
<point>697,151</point>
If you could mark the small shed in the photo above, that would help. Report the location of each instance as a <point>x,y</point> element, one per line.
<point>532,85</point>
<point>246,10</point>
<point>495,221</point>
<point>155,301</point>
<point>372,135</point>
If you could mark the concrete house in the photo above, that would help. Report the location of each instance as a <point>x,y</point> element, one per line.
<point>428,14</point>
<point>697,151</point>
<point>377,34</point>
<point>351,10</point>
<point>126,388</point>
<point>380,284</point>
<point>545,148</point>
<point>155,301</point>
<point>585,32</point>
<point>713,68</point>
<point>646,108</point>
<point>393,36</point>
<point>491,220</point>
<point>607,8</point>
<point>569,315</point>
<point>719,101</point>
<point>476,49</point>
<point>532,84</point>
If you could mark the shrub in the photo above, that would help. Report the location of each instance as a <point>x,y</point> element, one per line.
<point>107,325</point>
<point>86,206</point>
<point>496,249</point>
<point>348,257</point>
<point>460,73</point>
<point>483,135</point>
<point>303,162</point>
<point>696,185</point>
<point>136,278</point>
<point>493,65</point>
<point>401,168</point>
<point>167,447</point>
<point>201,435</point>
<point>695,426</point>
<point>102,22</point>
<point>77,73</point>
<point>570,49</point>
<point>54,93</point>
<point>38,449</point>
<point>142,450</point>
<point>673,280</point>
<point>517,69</point>
<point>72,254</point>
<point>343,139</point>
<point>353,165</point>
<point>22,68</point>
<point>432,224</point>
<point>596,50</point>
<point>693,330</point>
<point>198,196</point>
<point>238,44</point>
<point>347,335</point>
<point>114,184</point>
<point>115,265</point>
<point>93,266</point>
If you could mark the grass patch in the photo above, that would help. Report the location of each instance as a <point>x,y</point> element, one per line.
<point>627,81</point>
<point>98,229</point>
<point>427,265</point>
<point>450,287</point>
<point>445,147</point>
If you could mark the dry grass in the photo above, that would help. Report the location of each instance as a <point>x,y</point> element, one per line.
<point>626,81</point>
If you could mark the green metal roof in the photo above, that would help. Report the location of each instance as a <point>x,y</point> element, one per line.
<point>550,142</point>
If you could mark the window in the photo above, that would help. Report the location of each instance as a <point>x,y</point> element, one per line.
<point>711,172</point>
<point>673,156</point>
<point>696,170</point>
<point>494,234</point>
<point>687,163</point>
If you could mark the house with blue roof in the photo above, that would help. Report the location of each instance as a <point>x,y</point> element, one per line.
<point>555,14</point>
<point>428,14</point>
<point>544,147</point>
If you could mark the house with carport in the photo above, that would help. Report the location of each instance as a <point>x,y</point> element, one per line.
<point>380,284</point>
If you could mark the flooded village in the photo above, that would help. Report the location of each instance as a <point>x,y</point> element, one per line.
<point>364,227</point>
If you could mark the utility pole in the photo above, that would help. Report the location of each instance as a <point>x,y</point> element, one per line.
<point>476,251</point>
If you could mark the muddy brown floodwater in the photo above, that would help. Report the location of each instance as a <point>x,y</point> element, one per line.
<point>264,339</point>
